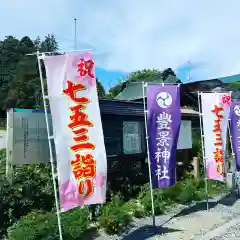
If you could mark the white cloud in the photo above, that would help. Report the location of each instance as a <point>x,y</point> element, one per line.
<point>130,35</point>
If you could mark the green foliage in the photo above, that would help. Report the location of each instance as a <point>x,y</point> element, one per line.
<point>19,77</point>
<point>183,192</point>
<point>216,188</point>
<point>114,216</point>
<point>44,226</point>
<point>160,204</point>
<point>31,188</point>
<point>100,89</point>
<point>134,208</point>
<point>127,178</point>
<point>190,190</point>
<point>137,76</point>
<point>235,84</point>
<point>139,213</point>
<point>196,150</point>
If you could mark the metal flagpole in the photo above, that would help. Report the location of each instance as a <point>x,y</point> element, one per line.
<point>50,145</point>
<point>7,144</point>
<point>231,145</point>
<point>148,155</point>
<point>189,71</point>
<point>75,33</point>
<point>233,162</point>
<point>203,152</point>
<point>9,166</point>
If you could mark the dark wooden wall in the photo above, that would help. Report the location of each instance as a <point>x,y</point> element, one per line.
<point>113,136</point>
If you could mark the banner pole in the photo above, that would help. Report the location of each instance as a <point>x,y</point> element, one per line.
<point>230,138</point>
<point>148,155</point>
<point>236,176</point>
<point>7,153</point>
<point>9,166</point>
<point>50,147</point>
<point>203,152</point>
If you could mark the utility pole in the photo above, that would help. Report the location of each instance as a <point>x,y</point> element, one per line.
<point>75,34</point>
<point>189,71</point>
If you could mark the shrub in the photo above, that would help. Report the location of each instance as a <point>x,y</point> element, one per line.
<point>190,190</point>
<point>40,226</point>
<point>171,194</point>
<point>30,189</point>
<point>139,213</point>
<point>114,219</point>
<point>127,178</point>
<point>159,204</point>
<point>134,208</point>
<point>216,187</point>
<point>114,216</point>
<point>184,191</point>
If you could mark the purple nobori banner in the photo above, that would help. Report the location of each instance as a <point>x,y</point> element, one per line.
<point>235,130</point>
<point>163,125</point>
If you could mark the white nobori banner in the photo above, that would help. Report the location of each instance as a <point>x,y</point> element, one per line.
<point>215,114</point>
<point>77,127</point>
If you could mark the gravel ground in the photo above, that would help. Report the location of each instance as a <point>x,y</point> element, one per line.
<point>186,223</point>
<point>232,233</point>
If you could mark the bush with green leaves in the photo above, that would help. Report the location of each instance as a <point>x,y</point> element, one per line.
<point>114,216</point>
<point>159,204</point>
<point>190,190</point>
<point>185,191</point>
<point>44,226</point>
<point>31,188</point>
<point>134,208</point>
<point>217,188</point>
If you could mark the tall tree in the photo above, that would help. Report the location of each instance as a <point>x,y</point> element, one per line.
<point>49,44</point>
<point>8,61</point>
<point>19,78</point>
<point>100,89</point>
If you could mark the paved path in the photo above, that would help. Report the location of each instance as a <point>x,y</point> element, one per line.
<point>2,139</point>
<point>189,223</point>
<point>199,224</point>
<point>228,231</point>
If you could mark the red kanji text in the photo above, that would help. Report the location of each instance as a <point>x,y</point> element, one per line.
<point>79,118</point>
<point>71,90</point>
<point>88,184</point>
<point>218,154</point>
<point>226,99</point>
<point>85,68</point>
<point>84,166</point>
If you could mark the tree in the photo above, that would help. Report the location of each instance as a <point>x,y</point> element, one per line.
<point>31,189</point>
<point>234,84</point>
<point>8,62</point>
<point>100,89</point>
<point>49,44</point>
<point>146,75</point>
<point>19,78</point>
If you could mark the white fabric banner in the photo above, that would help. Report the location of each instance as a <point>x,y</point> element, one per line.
<point>77,127</point>
<point>215,114</point>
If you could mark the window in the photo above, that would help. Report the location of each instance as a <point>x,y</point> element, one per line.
<point>112,136</point>
<point>132,137</point>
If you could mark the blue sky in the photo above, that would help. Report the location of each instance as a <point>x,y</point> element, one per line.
<point>110,78</point>
<point>126,36</point>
